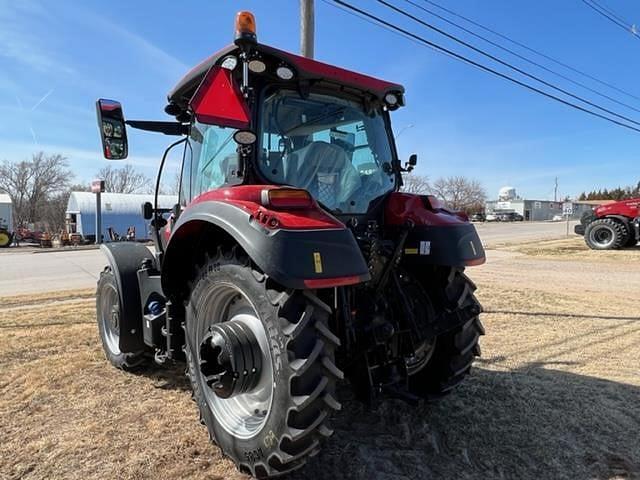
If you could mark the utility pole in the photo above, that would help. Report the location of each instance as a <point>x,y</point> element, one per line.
<point>555,191</point>
<point>307,28</point>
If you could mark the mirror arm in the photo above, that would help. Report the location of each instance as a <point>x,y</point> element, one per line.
<point>168,128</point>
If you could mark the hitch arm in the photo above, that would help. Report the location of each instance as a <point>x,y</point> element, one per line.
<point>395,258</point>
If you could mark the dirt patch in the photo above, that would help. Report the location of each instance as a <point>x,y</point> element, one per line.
<point>555,395</point>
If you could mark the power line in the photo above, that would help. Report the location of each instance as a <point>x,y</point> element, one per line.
<point>603,11</point>
<point>610,12</point>
<point>480,66</point>
<point>526,47</point>
<point>391,30</point>
<point>522,57</point>
<point>506,64</point>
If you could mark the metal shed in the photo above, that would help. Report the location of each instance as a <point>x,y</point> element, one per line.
<point>6,212</point>
<point>119,212</point>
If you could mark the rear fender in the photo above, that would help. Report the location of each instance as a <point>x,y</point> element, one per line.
<point>125,259</point>
<point>437,236</point>
<point>624,220</point>
<point>295,258</point>
<point>453,246</point>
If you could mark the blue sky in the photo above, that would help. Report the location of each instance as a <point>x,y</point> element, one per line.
<point>56,58</point>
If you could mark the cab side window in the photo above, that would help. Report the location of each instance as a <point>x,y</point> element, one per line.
<point>214,161</point>
<point>185,176</point>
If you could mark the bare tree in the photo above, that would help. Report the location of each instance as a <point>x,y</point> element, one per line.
<point>415,184</point>
<point>53,213</point>
<point>32,183</point>
<point>460,193</point>
<point>125,180</point>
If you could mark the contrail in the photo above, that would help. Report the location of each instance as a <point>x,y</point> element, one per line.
<point>46,95</point>
<point>33,134</point>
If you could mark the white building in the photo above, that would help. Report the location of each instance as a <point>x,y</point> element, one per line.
<point>120,211</point>
<point>534,210</point>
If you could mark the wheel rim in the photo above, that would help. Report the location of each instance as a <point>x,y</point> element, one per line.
<point>242,415</point>
<point>110,317</point>
<point>603,236</point>
<point>420,357</point>
<point>422,310</point>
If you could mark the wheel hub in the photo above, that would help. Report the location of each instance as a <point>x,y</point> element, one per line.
<point>230,359</point>
<point>602,236</point>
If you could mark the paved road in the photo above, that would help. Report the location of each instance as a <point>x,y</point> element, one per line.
<point>497,233</point>
<point>42,271</point>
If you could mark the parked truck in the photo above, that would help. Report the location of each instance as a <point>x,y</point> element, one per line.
<point>291,262</point>
<point>611,226</point>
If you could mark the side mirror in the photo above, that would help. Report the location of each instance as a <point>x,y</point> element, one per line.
<point>112,129</point>
<point>413,161</point>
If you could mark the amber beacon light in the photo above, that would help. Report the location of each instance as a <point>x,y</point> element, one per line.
<point>245,28</point>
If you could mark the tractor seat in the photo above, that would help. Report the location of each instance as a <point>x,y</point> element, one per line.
<point>325,171</point>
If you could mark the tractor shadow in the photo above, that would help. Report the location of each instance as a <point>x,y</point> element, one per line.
<point>529,423</point>
<point>171,377</point>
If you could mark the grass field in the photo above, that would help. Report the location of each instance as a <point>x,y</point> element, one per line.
<point>555,395</point>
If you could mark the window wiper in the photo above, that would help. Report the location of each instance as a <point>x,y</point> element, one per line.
<point>317,119</point>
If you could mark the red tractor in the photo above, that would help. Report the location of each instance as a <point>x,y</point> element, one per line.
<point>611,226</point>
<point>292,261</point>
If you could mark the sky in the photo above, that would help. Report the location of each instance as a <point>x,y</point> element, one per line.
<point>57,58</point>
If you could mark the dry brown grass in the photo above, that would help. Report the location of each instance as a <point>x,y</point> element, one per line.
<point>575,249</point>
<point>41,298</point>
<point>556,395</point>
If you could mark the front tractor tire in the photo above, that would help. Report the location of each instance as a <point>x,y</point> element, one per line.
<point>5,239</point>
<point>606,234</point>
<point>109,316</point>
<point>453,352</point>
<point>260,360</point>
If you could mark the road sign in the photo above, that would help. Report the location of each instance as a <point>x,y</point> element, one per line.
<point>567,208</point>
<point>97,186</point>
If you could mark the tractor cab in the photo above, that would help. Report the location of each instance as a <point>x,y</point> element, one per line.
<point>255,114</point>
<point>263,116</point>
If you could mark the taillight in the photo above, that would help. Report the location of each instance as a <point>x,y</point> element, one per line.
<point>286,198</point>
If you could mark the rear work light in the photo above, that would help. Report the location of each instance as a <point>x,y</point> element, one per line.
<point>286,198</point>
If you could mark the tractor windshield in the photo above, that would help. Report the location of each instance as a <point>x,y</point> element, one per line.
<point>328,146</point>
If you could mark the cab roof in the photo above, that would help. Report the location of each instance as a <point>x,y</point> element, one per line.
<point>305,69</point>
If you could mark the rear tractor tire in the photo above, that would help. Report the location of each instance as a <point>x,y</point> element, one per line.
<point>260,360</point>
<point>454,351</point>
<point>631,239</point>
<point>108,310</point>
<point>606,234</point>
